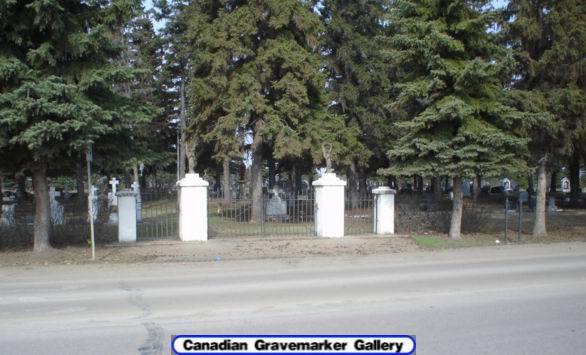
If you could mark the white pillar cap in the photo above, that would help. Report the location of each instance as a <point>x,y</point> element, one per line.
<point>329,179</point>
<point>126,193</point>
<point>192,180</point>
<point>384,190</point>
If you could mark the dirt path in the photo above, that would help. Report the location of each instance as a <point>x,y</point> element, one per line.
<point>216,249</point>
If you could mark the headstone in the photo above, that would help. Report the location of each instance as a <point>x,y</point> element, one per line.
<point>566,186</point>
<point>524,196</point>
<point>136,188</point>
<point>66,193</point>
<point>57,210</point>
<point>276,206</point>
<point>506,184</point>
<point>112,198</point>
<point>466,190</point>
<point>551,207</point>
<point>7,217</point>
<point>113,218</point>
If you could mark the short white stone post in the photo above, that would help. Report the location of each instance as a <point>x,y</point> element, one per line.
<point>384,219</point>
<point>329,206</point>
<point>193,208</point>
<point>126,216</point>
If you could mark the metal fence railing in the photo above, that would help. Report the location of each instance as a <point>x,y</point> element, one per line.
<point>279,216</point>
<point>157,215</point>
<point>69,223</point>
<point>359,215</point>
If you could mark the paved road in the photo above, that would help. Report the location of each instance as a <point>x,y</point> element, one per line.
<point>506,300</point>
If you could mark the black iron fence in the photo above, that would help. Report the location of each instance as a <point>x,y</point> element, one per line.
<point>278,216</point>
<point>359,215</point>
<point>157,215</point>
<point>69,223</point>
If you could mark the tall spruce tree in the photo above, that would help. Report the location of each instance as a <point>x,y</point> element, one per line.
<point>56,85</point>
<point>450,81</point>
<point>548,38</point>
<point>258,76</point>
<point>359,80</point>
<point>175,68</point>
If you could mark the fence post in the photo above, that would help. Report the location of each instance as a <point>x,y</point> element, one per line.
<point>193,208</point>
<point>329,200</point>
<point>126,216</point>
<point>506,219</point>
<point>384,210</point>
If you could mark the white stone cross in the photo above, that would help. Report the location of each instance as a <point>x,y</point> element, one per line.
<point>135,186</point>
<point>114,182</point>
<point>113,198</point>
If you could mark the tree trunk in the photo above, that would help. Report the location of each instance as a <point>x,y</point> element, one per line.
<point>42,221</point>
<point>362,183</point>
<point>457,207</point>
<point>298,181</point>
<point>256,181</point>
<point>530,191</point>
<point>575,189</point>
<point>352,185</point>
<point>437,190</point>
<point>183,134</point>
<point>20,186</point>
<point>477,186</point>
<point>272,171</point>
<point>242,180</point>
<point>79,181</point>
<point>553,182</point>
<point>539,229</point>
<point>226,181</point>
<point>135,173</point>
<point>1,195</point>
<point>420,186</point>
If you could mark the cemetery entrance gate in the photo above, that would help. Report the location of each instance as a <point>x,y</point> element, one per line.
<point>157,216</point>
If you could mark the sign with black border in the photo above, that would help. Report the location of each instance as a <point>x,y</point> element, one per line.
<point>293,344</point>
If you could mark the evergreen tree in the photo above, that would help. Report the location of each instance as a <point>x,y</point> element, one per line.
<point>450,82</point>
<point>548,38</point>
<point>174,71</point>
<point>56,92</point>
<point>359,79</point>
<point>142,54</point>
<point>257,76</point>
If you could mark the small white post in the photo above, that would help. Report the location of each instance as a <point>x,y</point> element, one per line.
<point>384,219</point>
<point>126,216</point>
<point>193,208</point>
<point>329,206</point>
<point>114,182</point>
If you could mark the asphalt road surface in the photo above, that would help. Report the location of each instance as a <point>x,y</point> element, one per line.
<point>507,300</point>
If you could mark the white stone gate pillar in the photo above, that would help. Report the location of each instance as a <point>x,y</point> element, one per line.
<point>126,216</point>
<point>193,208</point>
<point>329,206</point>
<point>384,219</point>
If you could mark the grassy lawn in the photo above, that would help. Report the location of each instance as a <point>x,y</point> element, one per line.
<point>219,226</point>
<point>435,242</point>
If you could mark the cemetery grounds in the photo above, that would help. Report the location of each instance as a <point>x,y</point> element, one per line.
<point>287,231</point>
